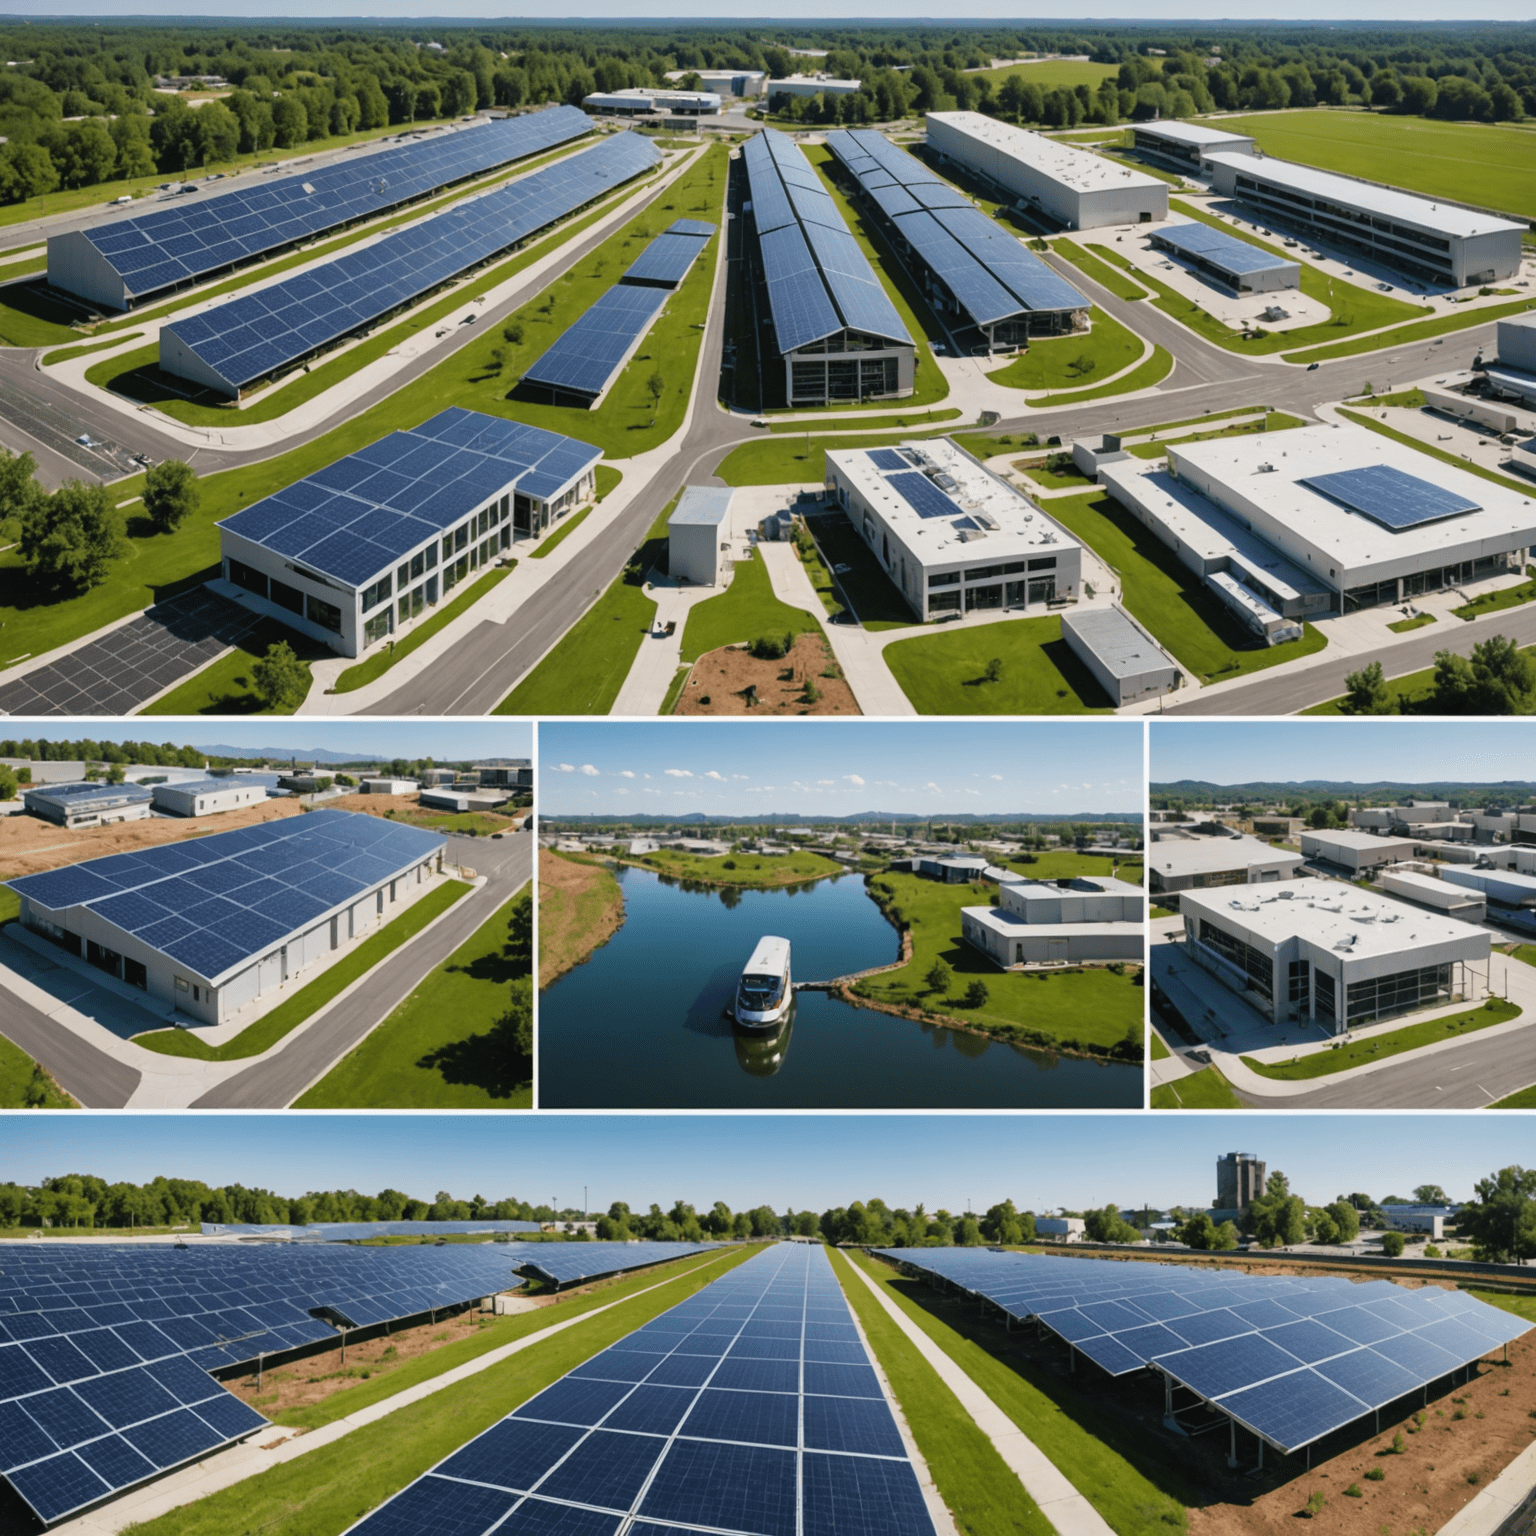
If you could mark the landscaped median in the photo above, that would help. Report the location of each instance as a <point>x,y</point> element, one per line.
<point>1206,1089</point>
<point>1071,362</point>
<point>272,1027</point>
<point>1373,1048</point>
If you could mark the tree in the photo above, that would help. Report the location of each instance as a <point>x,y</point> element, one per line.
<point>1225,1238</point>
<point>1346,1219</point>
<point>518,950</point>
<point>976,994</point>
<point>1197,1232</point>
<point>1392,1244</point>
<point>995,670</point>
<point>281,680</point>
<point>171,494</point>
<point>514,1029</point>
<point>7,783</point>
<point>1324,1228</point>
<point>1430,1194</point>
<point>70,539</point>
<point>1502,1220</point>
<point>939,977</point>
<point>19,490</point>
<point>1366,692</point>
<point>656,387</point>
<point>1108,1226</point>
<point>1278,1217</point>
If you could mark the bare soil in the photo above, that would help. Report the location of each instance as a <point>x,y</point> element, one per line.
<point>723,678</point>
<point>574,917</point>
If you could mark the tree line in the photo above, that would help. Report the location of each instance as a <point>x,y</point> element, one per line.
<point>1498,678</point>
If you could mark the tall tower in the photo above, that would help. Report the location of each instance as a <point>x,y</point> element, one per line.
<point>1239,1181</point>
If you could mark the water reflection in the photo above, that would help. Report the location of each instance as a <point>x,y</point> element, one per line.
<point>761,1052</point>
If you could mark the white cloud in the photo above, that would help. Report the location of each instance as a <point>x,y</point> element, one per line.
<point>565,768</point>
<point>678,773</point>
<point>933,788</point>
<point>854,779</point>
<point>625,773</point>
<point>590,771</point>
<point>998,777</point>
<point>826,781</point>
<point>742,776</point>
<point>719,778</point>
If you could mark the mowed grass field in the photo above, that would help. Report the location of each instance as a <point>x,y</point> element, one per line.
<point>1470,162</point>
<point>1051,74</point>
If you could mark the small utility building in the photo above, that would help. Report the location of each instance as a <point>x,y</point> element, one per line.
<point>1095,918</point>
<point>1357,852</point>
<point>208,797</point>
<point>1222,258</point>
<point>88,804</point>
<point>699,535</point>
<point>1126,662</point>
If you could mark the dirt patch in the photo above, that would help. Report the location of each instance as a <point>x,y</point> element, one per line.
<point>724,682</point>
<point>580,908</point>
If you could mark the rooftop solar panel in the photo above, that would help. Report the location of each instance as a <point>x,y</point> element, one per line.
<point>1227,251</point>
<point>668,257</point>
<point>1390,496</point>
<point>589,352</point>
<point>922,495</point>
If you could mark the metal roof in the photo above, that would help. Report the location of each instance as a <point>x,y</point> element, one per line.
<point>703,506</point>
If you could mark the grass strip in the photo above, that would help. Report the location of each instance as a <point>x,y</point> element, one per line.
<point>1402,626</point>
<point>1153,371</point>
<point>1525,1099</point>
<point>1271,421</point>
<point>26,1084</point>
<point>747,610</point>
<point>1456,462</point>
<point>674,690</point>
<point>1421,330</point>
<point>928,418</point>
<point>268,1030</point>
<point>386,656</point>
<point>977,1486</point>
<point>1160,1052</point>
<point>563,532</point>
<point>1064,362</point>
<point>1101,272</point>
<point>1122,1477</point>
<point>67,354</point>
<point>1206,1089</point>
<point>1380,1047</point>
<point>324,1492</point>
<point>1489,602</point>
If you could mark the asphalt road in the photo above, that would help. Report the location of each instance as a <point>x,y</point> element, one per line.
<point>277,1082</point>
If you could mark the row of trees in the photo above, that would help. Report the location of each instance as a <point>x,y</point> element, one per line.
<point>1498,678</point>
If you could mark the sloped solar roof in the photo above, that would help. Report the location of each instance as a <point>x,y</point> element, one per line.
<point>571,1263</point>
<point>668,257</point>
<point>1390,496</point>
<point>195,237</point>
<point>588,353</point>
<point>247,337</point>
<point>355,517</point>
<point>214,904</point>
<point>1225,250</point>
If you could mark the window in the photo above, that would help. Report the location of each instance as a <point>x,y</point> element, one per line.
<point>418,564</point>
<point>984,572</point>
<point>1297,983</point>
<point>326,615</point>
<point>1258,967</point>
<point>403,576</point>
<point>461,537</point>
<point>944,602</point>
<point>1044,563</point>
<point>376,628</point>
<point>945,579</point>
<point>287,597</point>
<point>248,577</point>
<point>1323,996</point>
<point>1383,997</point>
<point>374,595</point>
<point>181,984</point>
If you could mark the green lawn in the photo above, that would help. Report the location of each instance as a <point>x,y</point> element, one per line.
<point>1100,271</point>
<point>436,1050</point>
<point>1461,319</point>
<point>1156,911</point>
<point>1093,1010</point>
<point>1379,1047</point>
<point>1068,362</point>
<point>29,318</point>
<point>375,666</point>
<point>1153,371</point>
<point>944,673</point>
<point>795,460</point>
<point>1160,1052</point>
<point>224,686</point>
<point>1525,1099</point>
<point>1170,599</point>
<point>554,540</point>
<point>1051,74</point>
<point>1200,1090</point>
<point>1066,864</point>
<point>746,610</point>
<point>288,1015</point>
<point>979,1489</point>
<point>752,870</point>
<point>67,354</point>
<point>1466,162</point>
<point>1493,602</point>
<point>24,1084</point>
<point>1273,421</point>
<point>329,1489</point>
<point>1054,479</point>
<point>1402,626</point>
<point>1107,1459</point>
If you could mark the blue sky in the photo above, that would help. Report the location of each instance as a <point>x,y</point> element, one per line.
<point>836,768</point>
<point>799,1161</point>
<point>1357,751</point>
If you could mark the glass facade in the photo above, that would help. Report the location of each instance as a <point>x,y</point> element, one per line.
<point>1384,997</point>
<point>1258,967</point>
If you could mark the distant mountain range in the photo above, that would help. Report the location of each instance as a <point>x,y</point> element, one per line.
<point>859,818</point>
<point>326,755</point>
<point>1382,789</point>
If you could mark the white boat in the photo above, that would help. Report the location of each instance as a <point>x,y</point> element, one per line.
<point>765,992</point>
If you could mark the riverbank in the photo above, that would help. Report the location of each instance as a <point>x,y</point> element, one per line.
<point>580,908</point>
<point>749,871</point>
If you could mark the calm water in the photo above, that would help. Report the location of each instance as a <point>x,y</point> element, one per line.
<point>643,1025</point>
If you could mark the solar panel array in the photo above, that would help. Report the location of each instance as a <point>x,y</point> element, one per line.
<point>1390,496</point>
<point>991,275</point>
<point>105,1350</point>
<point>819,280</point>
<point>1226,251</point>
<point>588,353</point>
<point>355,518</point>
<point>751,1409</point>
<point>572,1263</point>
<point>213,904</point>
<point>921,494</point>
<point>255,334</point>
<point>192,239</point>
<point>359,1231</point>
<point>668,257</point>
<point>1289,1357</point>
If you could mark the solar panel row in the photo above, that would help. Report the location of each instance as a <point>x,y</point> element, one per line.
<point>990,274</point>
<point>252,335</point>
<point>819,281</point>
<point>749,1410</point>
<point>190,240</point>
<point>588,353</point>
<point>1289,1357</point>
<point>668,257</point>
<point>1226,251</point>
<point>1390,496</point>
<point>356,1231</point>
<point>572,1263</point>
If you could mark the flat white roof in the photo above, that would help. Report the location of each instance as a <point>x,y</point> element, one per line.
<point>821,82</point>
<point>1079,169</point>
<point>1015,927</point>
<point>1082,885</point>
<point>1192,133</point>
<point>1356,840</point>
<point>1432,887</point>
<point>1207,855</point>
<point>706,505</point>
<point>1386,202</point>
<point>1350,538</point>
<point>1118,642</point>
<point>992,520</point>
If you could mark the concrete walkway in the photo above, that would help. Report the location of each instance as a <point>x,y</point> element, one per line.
<point>271,1448</point>
<point>1068,1511</point>
<point>1498,1501</point>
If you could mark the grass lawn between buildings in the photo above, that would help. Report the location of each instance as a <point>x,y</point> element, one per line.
<point>1070,362</point>
<point>1160,1052</point>
<point>437,1049</point>
<point>1273,421</point>
<point>1067,864</point>
<point>746,610</point>
<point>224,687</point>
<point>1105,275</point>
<point>1093,1010</point>
<point>1206,1089</point>
<point>266,1031</point>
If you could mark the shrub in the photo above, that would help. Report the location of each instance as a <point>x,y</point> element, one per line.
<point>1398,1447</point>
<point>1375,1475</point>
<point>1353,1492</point>
<point>1315,1505</point>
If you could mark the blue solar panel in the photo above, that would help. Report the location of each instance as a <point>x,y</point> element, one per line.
<point>1389,496</point>
<point>1293,1410</point>
<point>58,1486</point>
<point>589,352</point>
<point>922,495</point>
<point>668,257</point>
<point>860,1496</point>
<point>1222,250</point>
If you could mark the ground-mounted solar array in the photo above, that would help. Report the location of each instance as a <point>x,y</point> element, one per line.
<point>750,1409</point>
<point>1201,243</point>
<point>360,1231</point>
<point>105,1350</point>
<point>819,280</point>
<point>1289,1357</point>
<point>991,276</point>
<point>573,1263</point>
<point>592,349</point>
<point>1390,496</point>
<point>213,904</point>
<point>254,335</point>
<point>668,257</point>
<point>197,237</point>
<point>356,517</point>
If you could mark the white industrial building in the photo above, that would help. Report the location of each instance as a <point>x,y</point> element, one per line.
<point>1472,409</point>
<point>959,870</point>
<point>1332,953</point>
<point>725,82</point>
<point>1508,891</point>
<point>1513,375</point>
<point>811,85</point>
<point>635,100</point>
<point>949,533</point>
<point>212,926</point>
<point>1072,187</point>
<point>1065,1228</point>
<point>207,797</point>
<point>1183,145</point>
<point>699,535</point>
<point>1425,890</point>
<point>387,786</point>
<point>1126,662</point>
<point>89,803</point>
<point>1200,863</point>
<point>1093,919</point>
<point>1357,852</point>
<point>1367,519</point>
<point>1439,243</point>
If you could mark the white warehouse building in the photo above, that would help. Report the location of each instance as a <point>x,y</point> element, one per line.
<point>1200,863</point>
<point>208,797</point>
<point>953,536</point>
<point>699,535</point>
<point>1439,243</point>
<point>1126,662</point>
<point>1324,951</point>
<point>1094,919</point>
<point>1358,852</point>
<point>1071,186</point>
<point>1184,145</point>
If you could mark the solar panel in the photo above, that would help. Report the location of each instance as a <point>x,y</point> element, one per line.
<point>590,351</point>
<point>922,495</point>
<point>573,1263</point>
<point>668,257</point>
<point>622,1443</point>
<point>1226,251</point>
<point>358,1231</point>
<point>190,240</point>
<point>250,336</point>
<point>1390,496</point>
